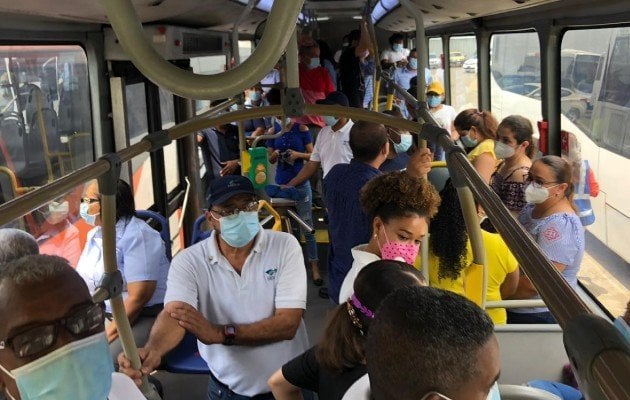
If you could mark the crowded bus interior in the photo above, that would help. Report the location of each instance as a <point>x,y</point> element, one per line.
<point>315,199</point>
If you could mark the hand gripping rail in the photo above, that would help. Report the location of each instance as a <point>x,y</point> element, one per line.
<point>608,369</point>
<point>125,23</point>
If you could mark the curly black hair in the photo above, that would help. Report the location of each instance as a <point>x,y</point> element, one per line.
<point>448,234</point>
<point>397,194</point>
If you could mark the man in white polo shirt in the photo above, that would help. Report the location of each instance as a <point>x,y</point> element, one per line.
<point>241,292</point>
<point>332,146</point>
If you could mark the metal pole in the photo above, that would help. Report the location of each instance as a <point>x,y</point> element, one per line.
<point>246,11</point>
<point>421,46</point>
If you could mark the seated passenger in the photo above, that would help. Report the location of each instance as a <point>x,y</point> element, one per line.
<point>57,236</point>
<point>333,365</point>
<point>399,207</point>
<point>430,344</point>
<point>515,148</point>
<point>140,256</point>
<point>15,243</point>
<point>241,292</point>
<point>451,257</point>
<point>52,344</point>
<point>478,130</point>
<point>550,218</point>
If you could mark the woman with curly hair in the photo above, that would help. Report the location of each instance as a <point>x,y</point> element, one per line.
<point>338,360</point>
<point>450,256</point>
<point>399,207</point>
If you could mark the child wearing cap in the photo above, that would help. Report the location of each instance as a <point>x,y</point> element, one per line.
<point>443,114</point>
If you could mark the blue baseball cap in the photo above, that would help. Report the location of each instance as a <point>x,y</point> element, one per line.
<point>335,98</point>
<point>226,187</point>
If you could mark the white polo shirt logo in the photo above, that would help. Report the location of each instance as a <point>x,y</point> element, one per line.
<point>270,274</point>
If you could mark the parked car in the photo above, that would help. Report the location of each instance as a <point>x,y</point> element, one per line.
<point>573,104</point>
<point>434,61</point>
<point>470,65</point>
<point>456,59</point>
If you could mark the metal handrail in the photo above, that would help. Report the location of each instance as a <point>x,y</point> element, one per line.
<point>608,366</point>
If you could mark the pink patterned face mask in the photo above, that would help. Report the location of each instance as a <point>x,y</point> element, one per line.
<point>398,251</point>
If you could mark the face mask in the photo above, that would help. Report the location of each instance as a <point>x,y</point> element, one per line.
<point>330,120</point>
<point>254,96</point>
<point>83,212</point>
<point>468,141</point>
<point>313,63</point>
<point>57,212</point>
<point>398,251</point>
<point>405,143</point>
<point>502,150</point>
<point>434,101</point>
<point>79,370</point>
<point>397,47</point>
<point>238,230</point>
<point>413,63</point>
<point>536,195</point>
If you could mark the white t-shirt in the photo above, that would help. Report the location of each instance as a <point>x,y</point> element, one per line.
<point>445,116</point>
<point>361,258</point>
<point>123,388</point>
<point>273,277</point>
<point>333,147</point>
<point>394,56</point>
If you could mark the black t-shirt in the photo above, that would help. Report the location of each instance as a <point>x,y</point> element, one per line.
<point>305,372</point>
<point>350,76</point>
<point>218,147</point>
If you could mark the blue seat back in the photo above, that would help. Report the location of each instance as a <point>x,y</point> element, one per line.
<point>198,234</point>
<point>185,358</point>
<point>165,232</point>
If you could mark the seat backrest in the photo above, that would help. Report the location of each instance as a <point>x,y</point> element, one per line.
<point>8,190</point>
<point>13,135</point>
<point>519,392</point>
<point>165,232</point>
<point>438,177</point>
<point>81,152</point>
<point>198,233</point>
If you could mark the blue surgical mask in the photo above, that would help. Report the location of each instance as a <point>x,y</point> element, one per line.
<point>83,212</point>
<point>79,370</point>
<point>254,96</point>
<point>434,101</point>
<point>238,230</point>
<point>313,63</point>
<point>405,143</point>
<point>397,47</point>
<point>330,120</point>
<point>413,63</point>
<point>468,141</point>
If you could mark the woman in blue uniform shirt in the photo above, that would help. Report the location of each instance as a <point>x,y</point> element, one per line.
<point>140,256</point>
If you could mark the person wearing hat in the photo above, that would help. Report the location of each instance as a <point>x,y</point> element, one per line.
<point>443,114</point>
<point>241,292</point>
<point>332,146</point>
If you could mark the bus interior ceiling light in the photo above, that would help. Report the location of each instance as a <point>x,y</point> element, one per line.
<point>383,7</point>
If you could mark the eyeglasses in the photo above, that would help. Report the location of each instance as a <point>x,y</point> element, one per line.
<point>89,200</point>
<point>87,320</point>
<point>536,182</point>
<point>428,395</point>
<point>249,207</point>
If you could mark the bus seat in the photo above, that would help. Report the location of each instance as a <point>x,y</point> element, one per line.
<point>185,358</point>
<point>80,148</point>
<point>438,175</point>
<point>8,185</point>
<point>518,392</point>
<point>199,234</point>
<point>165,232</point>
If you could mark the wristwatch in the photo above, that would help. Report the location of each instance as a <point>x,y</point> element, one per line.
<point>229,334</point>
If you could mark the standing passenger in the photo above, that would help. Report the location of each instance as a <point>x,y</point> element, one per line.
<point>478,130</point>
<point>515,148</point>
<point>140,256</point>
<point>350,67</point>
<point>396,55</point>
<point>241,292</point>
<point>220,151</point>
<point>550,218</point>
<point>443,114</point>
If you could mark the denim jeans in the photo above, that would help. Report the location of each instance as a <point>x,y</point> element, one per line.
<point>219,391</point>
<point>304,210</point>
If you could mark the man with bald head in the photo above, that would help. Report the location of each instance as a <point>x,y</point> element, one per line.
<point>52,340</point>
<point>15,243</point>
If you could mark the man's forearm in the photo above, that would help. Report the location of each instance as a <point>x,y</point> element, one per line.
<point>305,173</point>
<point>165,334</point>
<point>282,326</point>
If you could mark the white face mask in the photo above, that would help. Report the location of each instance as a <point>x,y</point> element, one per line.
<point>502,150</point>
<point>536,194</point>
<point>57,212</point>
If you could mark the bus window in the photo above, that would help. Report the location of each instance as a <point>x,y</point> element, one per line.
<point>515,75</point>
<point>137,124</point>
<point>595,105</point>
<point>171,161</point>
<point>436,54</point>
<point>45,114</point>
<point>463,62</point>
<point>244,49</point>
<point>208,65</point>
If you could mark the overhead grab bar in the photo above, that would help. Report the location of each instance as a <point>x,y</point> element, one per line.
<point>124,20</point>
<point>246,11</point>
